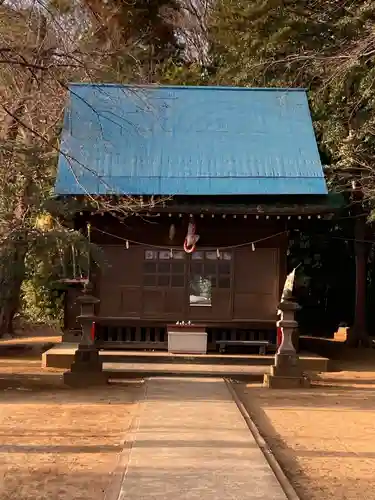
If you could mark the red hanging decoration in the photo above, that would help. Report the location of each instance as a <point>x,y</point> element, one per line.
<point>191,239</point>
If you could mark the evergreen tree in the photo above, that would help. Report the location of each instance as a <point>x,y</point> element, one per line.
<point>328,48</point>
<point>324,46</point>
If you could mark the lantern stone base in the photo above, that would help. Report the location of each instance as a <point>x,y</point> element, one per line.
<point>286,373</point>
<point>280,382</point>
<point>86,369</point>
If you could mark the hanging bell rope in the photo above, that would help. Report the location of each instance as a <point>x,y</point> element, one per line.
<point>191,239</point>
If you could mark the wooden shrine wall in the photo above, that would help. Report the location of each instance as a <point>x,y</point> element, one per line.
<point>246,284</point>
<point>247,290</point>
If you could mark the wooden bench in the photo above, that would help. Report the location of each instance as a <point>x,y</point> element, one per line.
<point>262,344</point>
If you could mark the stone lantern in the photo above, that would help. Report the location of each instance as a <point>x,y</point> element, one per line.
<point>86,369</point>
<point>286,371</point>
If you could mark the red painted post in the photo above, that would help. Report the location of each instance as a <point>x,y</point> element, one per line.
<point>279,336</point>
<point>93,329</point>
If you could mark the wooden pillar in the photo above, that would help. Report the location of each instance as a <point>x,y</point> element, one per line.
<point>361,274</point>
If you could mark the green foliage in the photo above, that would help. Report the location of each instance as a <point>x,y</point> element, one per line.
<point>54,256</point>
<point>40,302</point>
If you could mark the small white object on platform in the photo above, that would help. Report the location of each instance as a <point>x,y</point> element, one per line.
<point>187,339</point>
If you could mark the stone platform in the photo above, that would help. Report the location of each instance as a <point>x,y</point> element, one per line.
<point>144,364</point>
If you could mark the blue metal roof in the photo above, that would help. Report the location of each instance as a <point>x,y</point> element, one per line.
<point>188,141</point>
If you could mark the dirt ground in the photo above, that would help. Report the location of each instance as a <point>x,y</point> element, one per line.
<point>59,443</point>
<point>33,334</point>
<point>323,437</point>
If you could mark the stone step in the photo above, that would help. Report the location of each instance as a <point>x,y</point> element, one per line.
<point>61,356</point>
<point>194,359</point>
<point>147,370</point>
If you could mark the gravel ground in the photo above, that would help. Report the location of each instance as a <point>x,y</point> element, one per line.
<point>323,437</point>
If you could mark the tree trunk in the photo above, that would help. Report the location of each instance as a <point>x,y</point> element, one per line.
<point>358,334</point>
<point>12,273</point>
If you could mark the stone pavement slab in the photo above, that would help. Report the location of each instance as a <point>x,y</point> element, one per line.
<point>192,443</point>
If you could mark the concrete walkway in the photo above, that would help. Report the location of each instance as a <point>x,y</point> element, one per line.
<point>191,443</point>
